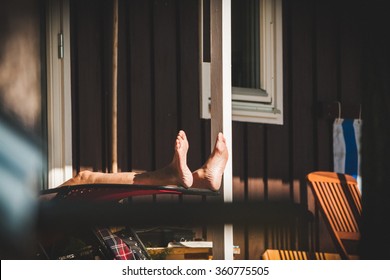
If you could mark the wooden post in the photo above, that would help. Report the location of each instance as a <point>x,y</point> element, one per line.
<point>221,110</point>
<point>114,116</point>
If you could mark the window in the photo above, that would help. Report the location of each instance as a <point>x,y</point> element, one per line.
<point>257,66</point>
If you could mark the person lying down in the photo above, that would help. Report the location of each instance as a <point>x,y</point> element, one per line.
<point>208,176</point>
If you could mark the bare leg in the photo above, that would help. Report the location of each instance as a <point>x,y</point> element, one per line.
<point>176,173</point>
<point>91,177</point>
<point>209,176</point>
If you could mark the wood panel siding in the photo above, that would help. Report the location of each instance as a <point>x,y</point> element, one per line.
<point>140,88</point>
<point>375,105</point>
<point>158,91</point>
<point>90,84</point>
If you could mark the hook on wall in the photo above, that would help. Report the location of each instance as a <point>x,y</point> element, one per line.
<point>339,116</point>
<point>336,110</point>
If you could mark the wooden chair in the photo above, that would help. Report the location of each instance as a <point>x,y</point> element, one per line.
<point>339,201</point>
<point>273,254</point>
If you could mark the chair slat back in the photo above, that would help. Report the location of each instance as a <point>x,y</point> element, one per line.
<point>339,201</point>
<point>274,254</point>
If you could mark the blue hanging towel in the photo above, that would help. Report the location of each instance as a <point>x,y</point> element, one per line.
<point>346,147</point>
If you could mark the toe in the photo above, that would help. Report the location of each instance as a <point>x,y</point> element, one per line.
<point>182,134</point>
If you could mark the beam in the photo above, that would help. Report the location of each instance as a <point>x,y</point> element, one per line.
<point>221,110</point>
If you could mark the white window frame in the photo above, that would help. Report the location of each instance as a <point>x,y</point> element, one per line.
<point>59,118</point>
<point>263,105</point>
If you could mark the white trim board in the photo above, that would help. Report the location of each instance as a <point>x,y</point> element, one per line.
<point>59,120</point>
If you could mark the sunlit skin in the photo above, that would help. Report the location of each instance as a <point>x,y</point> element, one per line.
<point>208,176</point>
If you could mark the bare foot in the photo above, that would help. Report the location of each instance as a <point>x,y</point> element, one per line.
<point>179,163</point>
<point>209,176</point>
<point>175,173</point>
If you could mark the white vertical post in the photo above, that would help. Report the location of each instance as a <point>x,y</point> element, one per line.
<point>221,106</point>
<point>59,106</point>
<point>227,118</point>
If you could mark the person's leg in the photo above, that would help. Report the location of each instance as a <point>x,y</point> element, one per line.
<point>176,173</point>
<point>93,177</point>
<point>209,176</point>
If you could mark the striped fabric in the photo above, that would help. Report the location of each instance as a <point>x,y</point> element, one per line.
<point>346,147</point>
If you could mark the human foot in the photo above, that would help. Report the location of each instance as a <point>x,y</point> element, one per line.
<point>209,176</point>
<point>175,173</point>
<point>179,162</point>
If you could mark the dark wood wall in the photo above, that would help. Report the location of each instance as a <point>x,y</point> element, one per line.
<point>375,166</point>
<point>158,89</point>
<point>158,83</point>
